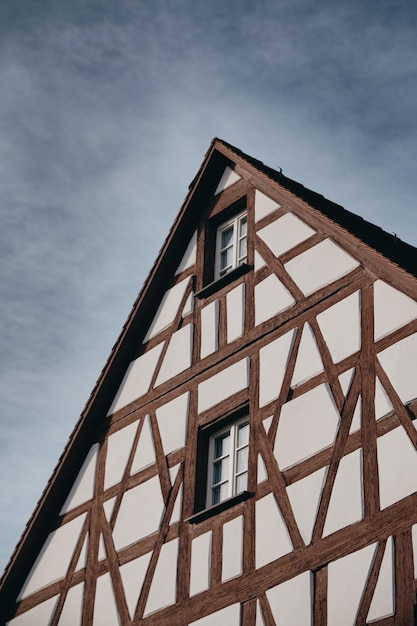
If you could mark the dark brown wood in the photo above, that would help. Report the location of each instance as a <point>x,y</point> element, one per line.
<point>163,472</point>
<point>368,421</point>
<point>338,450</point>
<point>216,559</point>
<point>337,545</point>
<point>113,564</point>
<point>370,585</point>
<point>249,321</point>
<point>127,472</point>
<point>320,577</point>
<point>184,561</point>
<point>248,613</point>
<point>302,247</point>
<point>277,483</point>
<point>399,408</point>
<point>162,536</point>
<point>329,366</point>
<point>173,328</point>
<point>70,573</point>
<point>222,332</point>
<point>93,540</point>
<point>266,611</point>
<point>286,386</point>
<point>278,268</point>
<point>404,575</point>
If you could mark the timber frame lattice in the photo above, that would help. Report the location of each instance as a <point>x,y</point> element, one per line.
<point>352,383</point>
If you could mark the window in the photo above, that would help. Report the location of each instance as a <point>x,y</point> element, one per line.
<point>227,471</point>
<point>231,249</point>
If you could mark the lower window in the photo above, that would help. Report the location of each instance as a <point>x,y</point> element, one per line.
<point>227,470</point>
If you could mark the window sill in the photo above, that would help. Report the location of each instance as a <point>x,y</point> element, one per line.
<point>218,508</point>
<point>223,281</point>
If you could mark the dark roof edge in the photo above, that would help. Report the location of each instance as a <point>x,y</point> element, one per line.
<point>389,245</point>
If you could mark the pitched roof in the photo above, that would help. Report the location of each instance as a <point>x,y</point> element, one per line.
<point>202,186</point>
<point>389,245</point>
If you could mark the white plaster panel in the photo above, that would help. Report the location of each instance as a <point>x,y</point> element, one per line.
<point>54,558</point>
<point>285,233</point>
<point>108,507</point>
<point>399,363</point>
<point>232,548</point>
<point>382,404</point>
<point>230,616</point>
<point>307,425</point>
<point>263,205</point>
<point>105,608</point>
<point>131,523</point>
<point>119,445</point>
<point>345,506</point>
<point>346,379</point>
<point>173,471</point>
<point>272,539</point>
<point>262,473</point>
<point>82,559</point>
<point>259,261</point>
<point>382,604</point>
<point>164,583</point>
<point>145,450</point>
<point>83,488</point>
<point>319,266</point>
<point>133,575</point>
<point>235,312</point>
<point>357,417</point>
<point>178,356</point>
<point>189,257</point>
<point>176,511</point>
<point>304,497</point>
<point>189,305</point>
<point>309,361</point>
<point>291,602</point>
<point>172,421</point>
<point>397,462</point>
<point>168,309</point>
<point>266,423</point>
<point>271,298</point>
<point>346,583</point>
<point>341,327</point>
<point>229,177</point>
<point>137,379</point>
<point>73,606</point>
<point>101,549</point>
<point>223,385</point>
<point>273,359</point>
<point>259,616</point>
<point>393,309</point>
<point>209,328</point>
<point>40,615</point>
<point>200,563</point>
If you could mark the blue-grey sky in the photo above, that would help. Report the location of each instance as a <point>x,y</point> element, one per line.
<point>106,111</point>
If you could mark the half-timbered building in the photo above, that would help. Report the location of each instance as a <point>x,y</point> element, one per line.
<point>248,456</point>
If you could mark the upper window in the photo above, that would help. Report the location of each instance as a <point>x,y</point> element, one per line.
<point>231,248</point>
<point>227,471</point>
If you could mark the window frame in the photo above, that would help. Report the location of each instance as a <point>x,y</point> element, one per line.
<point>237,259</point>
<point>233,428</point>
<point>205,431</point>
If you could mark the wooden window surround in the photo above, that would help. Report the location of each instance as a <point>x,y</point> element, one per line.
<point>222,466</point>
<point>225,248</point>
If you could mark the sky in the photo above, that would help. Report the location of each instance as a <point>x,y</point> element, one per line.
<point>107,109</point>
